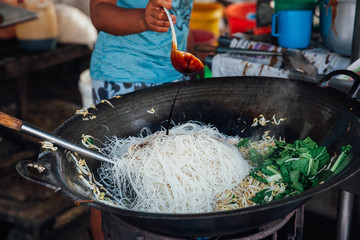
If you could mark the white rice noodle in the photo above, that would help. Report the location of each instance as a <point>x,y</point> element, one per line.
<point>182,172</point>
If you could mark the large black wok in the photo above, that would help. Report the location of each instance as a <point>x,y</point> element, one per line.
<point>230,103</point>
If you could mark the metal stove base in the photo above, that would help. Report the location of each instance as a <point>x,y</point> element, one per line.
<point>289,227</point>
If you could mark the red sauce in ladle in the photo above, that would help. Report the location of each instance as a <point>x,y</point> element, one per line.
<point>185,62</point>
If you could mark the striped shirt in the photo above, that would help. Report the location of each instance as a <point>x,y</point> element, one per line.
<point>143,57</point>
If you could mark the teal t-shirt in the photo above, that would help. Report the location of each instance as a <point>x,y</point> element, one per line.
<point>143,57</point>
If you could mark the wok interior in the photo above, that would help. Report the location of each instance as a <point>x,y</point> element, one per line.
<point>230,104</point>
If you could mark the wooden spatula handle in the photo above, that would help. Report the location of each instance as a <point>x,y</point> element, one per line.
<point>10,121</point>
<point>18,125</point>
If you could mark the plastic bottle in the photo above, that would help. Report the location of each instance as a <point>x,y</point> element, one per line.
<point>39,34</point>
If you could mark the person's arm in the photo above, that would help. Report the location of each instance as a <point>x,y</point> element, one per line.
<point>108,17</point>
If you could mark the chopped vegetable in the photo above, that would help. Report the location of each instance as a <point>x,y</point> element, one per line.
<point>261,196</point>
<point>299,166</point>
<point>245,142</point>
<point>342,161</point>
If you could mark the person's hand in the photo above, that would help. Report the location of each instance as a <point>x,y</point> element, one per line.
<point>155,16</point>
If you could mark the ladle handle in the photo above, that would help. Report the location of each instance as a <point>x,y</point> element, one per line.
<point>18,125</point>
<point>172,27</point>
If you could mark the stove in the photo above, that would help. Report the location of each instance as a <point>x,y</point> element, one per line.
<point>288,227</point>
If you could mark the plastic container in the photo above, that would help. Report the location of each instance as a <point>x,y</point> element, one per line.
<point>355,67</point>
<point>241,17</point>
<point>207,72</point>
<point>85,89</point>
<point>292,28</point>
<point>337,25</point>
<point>207,16</point>
<point>203,37</point>
<point>39,34</point>
<point>281,5</point>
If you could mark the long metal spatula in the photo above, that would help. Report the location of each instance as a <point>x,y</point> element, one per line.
<point>18,125</point>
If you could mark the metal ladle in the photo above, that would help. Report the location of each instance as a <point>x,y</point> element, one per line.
<point>183,62</point>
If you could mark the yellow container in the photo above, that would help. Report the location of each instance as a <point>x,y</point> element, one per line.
<point>39,34</point>
<point>207,16</point>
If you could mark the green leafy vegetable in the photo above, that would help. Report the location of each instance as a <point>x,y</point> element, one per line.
<point>300,164</point>
<point>309,143</point>
<point>295,176</point>
<point>321,155</point>
<point>282,160</point>
<point>343,160</point>
<point>260,196</point>
<point>257,177</point>
<point>245,142</point>
<point>285,174</point>
<point>297,186</point>
<point>255,156</point>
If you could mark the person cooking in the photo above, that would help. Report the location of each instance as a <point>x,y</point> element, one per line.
<point>134,44</point>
